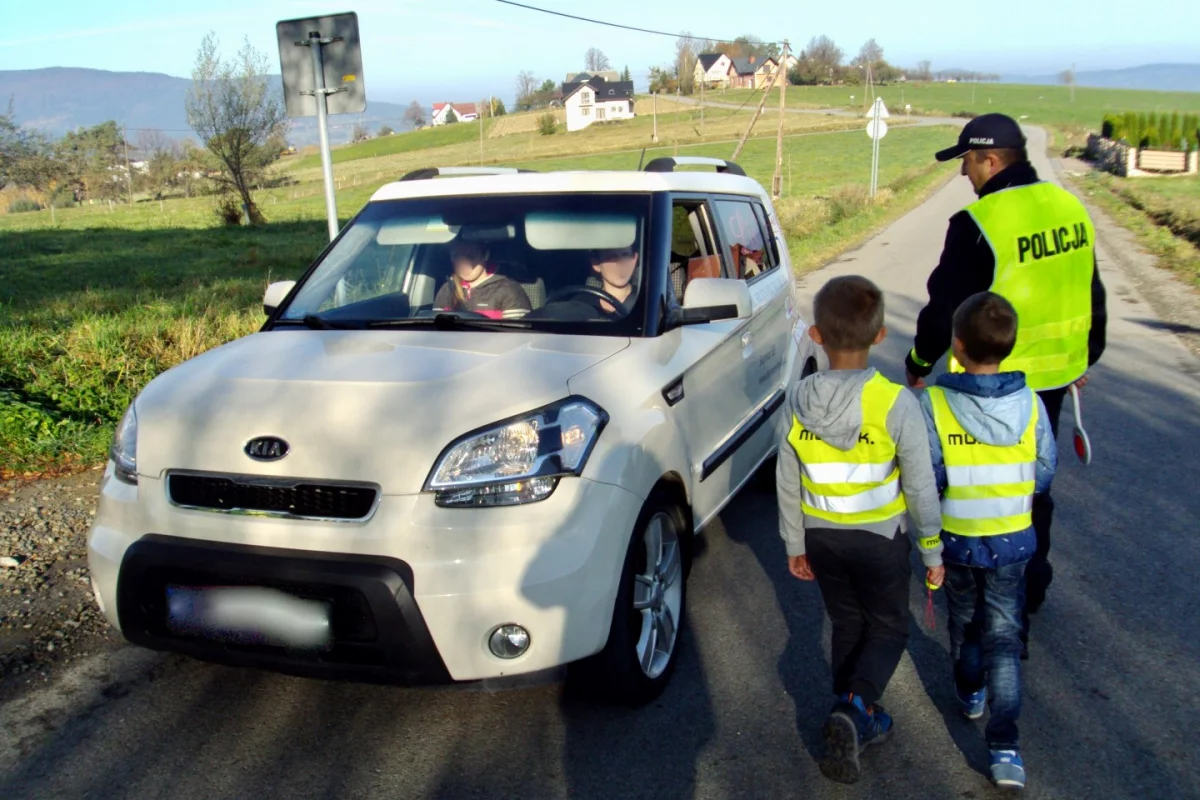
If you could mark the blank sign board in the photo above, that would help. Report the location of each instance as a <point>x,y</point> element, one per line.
<point>342,64</point>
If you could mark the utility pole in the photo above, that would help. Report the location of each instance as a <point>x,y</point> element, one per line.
<point>654,135</point>
<point>757,113</point>
<point>128,170</point>
<point>777,179</point>
<point>481,120</point>
<point>1072,81</point>
<point>702,82</point>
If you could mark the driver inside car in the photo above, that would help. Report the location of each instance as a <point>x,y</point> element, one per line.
<point>616,269</point>
<point>474,286</point>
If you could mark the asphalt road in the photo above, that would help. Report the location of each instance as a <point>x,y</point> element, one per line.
<point>1108,712</point>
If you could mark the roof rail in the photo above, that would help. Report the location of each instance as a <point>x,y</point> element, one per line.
<point>668,164</point>
<point>432,172</point>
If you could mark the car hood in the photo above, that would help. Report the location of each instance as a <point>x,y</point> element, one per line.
<point>375,406</point>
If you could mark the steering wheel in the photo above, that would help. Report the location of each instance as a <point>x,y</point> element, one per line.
<point>595,291</point>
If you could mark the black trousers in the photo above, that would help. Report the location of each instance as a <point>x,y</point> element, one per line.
<point>1038,572</point>
<point>864,580</point>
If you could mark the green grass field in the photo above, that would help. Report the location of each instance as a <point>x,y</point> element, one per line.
<point>97,302</point>
<point>1038,105</point>
<point>1164,213</point>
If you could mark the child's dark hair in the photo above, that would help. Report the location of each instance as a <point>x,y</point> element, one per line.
<point>848,311</point>
<point>986,324</point>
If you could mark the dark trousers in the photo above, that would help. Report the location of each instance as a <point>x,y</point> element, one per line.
<point>1038,573</point>
<point>985,641</point>
<point>864,581</point>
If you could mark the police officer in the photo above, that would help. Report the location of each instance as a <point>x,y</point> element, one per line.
<point>1033,243</point>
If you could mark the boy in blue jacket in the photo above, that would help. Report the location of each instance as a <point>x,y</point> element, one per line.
<point>992,451</point>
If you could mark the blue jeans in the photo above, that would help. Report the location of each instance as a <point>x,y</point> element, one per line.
<point>985,610</point>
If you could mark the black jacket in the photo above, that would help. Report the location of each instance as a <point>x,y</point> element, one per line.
<point>967,266</point>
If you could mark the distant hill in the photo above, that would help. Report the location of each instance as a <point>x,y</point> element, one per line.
<point>58,99</point>
<point>1160,77</point>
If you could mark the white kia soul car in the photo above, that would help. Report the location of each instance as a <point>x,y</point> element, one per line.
<point>410,475</point>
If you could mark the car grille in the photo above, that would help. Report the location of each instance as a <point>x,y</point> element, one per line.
<point>275,497</point>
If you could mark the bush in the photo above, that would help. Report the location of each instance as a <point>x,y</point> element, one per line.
<point>228,209</point>
<point>846,202</point>
<point>22,204</point>
<point>547,124</point>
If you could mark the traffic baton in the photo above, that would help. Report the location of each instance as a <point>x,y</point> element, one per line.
<point>1083,446</point>
<point>930,616</point>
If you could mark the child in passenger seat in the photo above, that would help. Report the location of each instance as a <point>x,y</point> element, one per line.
<point>474,286</point>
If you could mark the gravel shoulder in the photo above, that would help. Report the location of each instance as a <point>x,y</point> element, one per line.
<point>48,616</point>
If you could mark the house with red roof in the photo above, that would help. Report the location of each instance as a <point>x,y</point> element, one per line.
<point>465,112</point>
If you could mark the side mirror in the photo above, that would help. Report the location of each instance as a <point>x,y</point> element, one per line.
<point>275,294</point>
<point>712,300</point>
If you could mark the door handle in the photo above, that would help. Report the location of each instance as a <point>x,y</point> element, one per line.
<point>746,338</point>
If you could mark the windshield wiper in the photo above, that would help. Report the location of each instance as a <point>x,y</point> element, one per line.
<point>448,322</point>
<point>321,324</point>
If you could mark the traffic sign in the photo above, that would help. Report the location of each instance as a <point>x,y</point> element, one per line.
<point>879,107</point>
<point>877,129</point>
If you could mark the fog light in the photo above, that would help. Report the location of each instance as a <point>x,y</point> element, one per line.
<point>509,641</point>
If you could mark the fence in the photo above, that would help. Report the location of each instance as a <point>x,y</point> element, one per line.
<point>1128,162</point>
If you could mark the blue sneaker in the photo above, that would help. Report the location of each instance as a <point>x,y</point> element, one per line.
<point>850,727</point>
<point>1008,770</point>
<point>972,704</point>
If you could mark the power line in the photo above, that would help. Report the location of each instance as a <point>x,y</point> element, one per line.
<point>615,24</point>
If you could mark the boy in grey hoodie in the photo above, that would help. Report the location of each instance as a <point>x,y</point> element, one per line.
<point>992,450</point>
<point>854,460</point>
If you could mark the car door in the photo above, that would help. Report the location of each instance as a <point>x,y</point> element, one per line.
<point>707,398</point>
<point>751,250</point>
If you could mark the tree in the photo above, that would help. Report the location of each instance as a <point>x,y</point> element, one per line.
<point>451,117</point>
<point>924,71</point>
<point>161,154</point>
<point>414,115</point>
<point>595,60</point>
<point>662,79</point>
<point>360,133</point>
<point>235,111</point>
<point>526,87</point>
<point>386,130</point>
<point>687,53</point>
<point>26,157</point>
<point>89,158</point>
<point>820,62</point>
<point>626,75</point>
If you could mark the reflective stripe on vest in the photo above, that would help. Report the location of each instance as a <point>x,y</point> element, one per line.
<point>1043,240</point>
<point>989,488</point>
<point>859,486</point>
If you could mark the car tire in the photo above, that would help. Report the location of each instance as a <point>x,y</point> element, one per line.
<point>634,667</point>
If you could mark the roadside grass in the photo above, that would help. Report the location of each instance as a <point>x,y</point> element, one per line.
<point>95,304</point>
<point>1164,214</point>
<point>1041,105</point>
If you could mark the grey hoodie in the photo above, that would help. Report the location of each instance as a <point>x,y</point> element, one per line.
<point>830,405</point>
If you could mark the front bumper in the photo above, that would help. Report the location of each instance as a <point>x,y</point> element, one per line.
<point>431,583</point>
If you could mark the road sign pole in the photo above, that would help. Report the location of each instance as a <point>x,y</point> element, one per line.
<point>319,93</point>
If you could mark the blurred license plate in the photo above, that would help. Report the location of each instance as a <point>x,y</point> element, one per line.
<point>248,615</point>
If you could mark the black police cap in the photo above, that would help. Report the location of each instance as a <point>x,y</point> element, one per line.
<point>986,132</point>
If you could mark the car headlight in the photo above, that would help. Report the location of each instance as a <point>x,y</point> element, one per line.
<point>123,451</point>
<point>519,460</point>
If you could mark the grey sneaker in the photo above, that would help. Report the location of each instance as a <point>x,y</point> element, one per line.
<point>1008,770</point>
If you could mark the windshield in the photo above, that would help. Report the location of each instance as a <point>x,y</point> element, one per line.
<point>524,261</point>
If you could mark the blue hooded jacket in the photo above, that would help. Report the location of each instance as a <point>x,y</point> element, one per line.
<point>995,410</point>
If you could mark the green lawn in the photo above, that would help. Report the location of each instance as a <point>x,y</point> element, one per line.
<point>439,136</point>
<point>1046,105</point>
<point>1164,213</point>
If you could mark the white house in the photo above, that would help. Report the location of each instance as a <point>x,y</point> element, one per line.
<point>466,112</point>
<point>712,68</point>
<point>593,99</point>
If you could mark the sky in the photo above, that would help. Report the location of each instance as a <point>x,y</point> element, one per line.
<point>418,48</point>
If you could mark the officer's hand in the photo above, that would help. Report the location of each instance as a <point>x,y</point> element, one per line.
<point>1082,382</point>
<point>798,566</point>
<point>913,381</point>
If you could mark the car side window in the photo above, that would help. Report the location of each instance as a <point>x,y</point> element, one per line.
<point>743,239</point>
<point>764,221</point>
<point>694,251</point>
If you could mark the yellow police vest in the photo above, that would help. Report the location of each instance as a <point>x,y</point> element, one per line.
<point>1043,241</point>
<point>989,488</point>
<point>857,486</point>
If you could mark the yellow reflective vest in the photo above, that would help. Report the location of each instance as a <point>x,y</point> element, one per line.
<point>1043,241</point>
<point>989,488</point>
<point>859,486</point>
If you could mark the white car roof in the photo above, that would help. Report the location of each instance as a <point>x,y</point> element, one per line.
<point>571,181</point>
